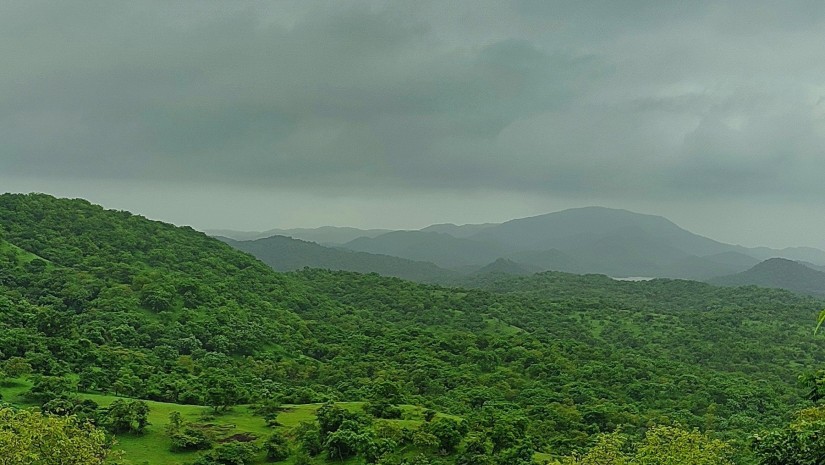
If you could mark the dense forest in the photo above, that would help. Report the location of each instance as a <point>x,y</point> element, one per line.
<point>550,367</point>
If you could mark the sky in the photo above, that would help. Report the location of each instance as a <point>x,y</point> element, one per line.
<point>378,114</point>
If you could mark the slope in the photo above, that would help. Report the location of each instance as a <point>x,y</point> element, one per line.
<point>287,254</point>
<point>322,235</point>
<point>575,228</point>
<point>442,249</point>
<point>778,273</point>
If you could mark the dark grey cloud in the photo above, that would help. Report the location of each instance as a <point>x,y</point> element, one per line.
<point>576,100</point>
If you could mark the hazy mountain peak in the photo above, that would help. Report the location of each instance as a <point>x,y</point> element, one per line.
<point>779,273</point>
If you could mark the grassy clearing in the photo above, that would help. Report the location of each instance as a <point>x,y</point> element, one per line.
<point>153,447</point>
<point>12,390</point>
<point>22,256</point>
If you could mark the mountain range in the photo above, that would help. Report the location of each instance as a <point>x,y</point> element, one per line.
<point>287,254</point>
<point>615,242</point>
<point>323,235</point>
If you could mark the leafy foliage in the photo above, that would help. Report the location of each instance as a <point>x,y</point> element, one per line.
<point>801,442</point>
<point>662,445</point>
<point>185,436</point>
<point>277,447</point>
<point>28,437</point>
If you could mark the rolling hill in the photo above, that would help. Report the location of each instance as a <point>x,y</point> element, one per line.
<point>778,273</point>
<point>288,254</point>
<point>440,248</point>
<point>323,235</point>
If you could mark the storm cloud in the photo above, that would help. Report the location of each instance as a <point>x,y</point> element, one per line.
<point>566,101</point>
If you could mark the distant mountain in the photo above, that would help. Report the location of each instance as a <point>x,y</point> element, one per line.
<point>288,254</point>
<point>778,273</point>
<point>807,254</point>
<point>552,259</point>
<point>720,264</point>
<point>615,242</point>
<point>322,235</point>
<point>583,240</point>
<point>581,227</point>
<point>461,232</point>
<point>442,249</point>
<point>508,267</point>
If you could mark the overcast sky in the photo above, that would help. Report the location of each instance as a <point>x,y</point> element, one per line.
<point>255,115</point>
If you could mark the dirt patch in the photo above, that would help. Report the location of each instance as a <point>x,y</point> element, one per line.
<point>240,437</point>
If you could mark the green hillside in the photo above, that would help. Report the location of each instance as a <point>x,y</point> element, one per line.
<point>120,305</point>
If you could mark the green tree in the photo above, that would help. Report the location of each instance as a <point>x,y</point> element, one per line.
<point>345,441</point>
<point>221,390</point>
<point>16,367</point>
<point>330,417</point>
<point>802,442</point>
<point>184,437</point>
<point>607,451</point>
<point>277,447</point>
<point>449,433</point>
<point>28,437</point>
<point>46,388</point>
<point>124,416</point>
<point>477,450</point>
<point>157,296</point>
<point>666,445</point>
<point>661,445</point>
<point>308,436</point>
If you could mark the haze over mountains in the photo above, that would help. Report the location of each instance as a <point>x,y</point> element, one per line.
<point>778,273</point>
<point>287,254</point>
<point>322,235</point>
<point>614,242</point>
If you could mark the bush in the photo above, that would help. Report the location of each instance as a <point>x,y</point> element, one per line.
<point>277,447</point>
<point>382,410</point>
<point>231,453</point>
<point>309,437</point>
<point>184,436</point>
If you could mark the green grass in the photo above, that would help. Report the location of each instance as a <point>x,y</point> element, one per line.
<point>22,256</point>
<point>153,447</point>
<point>12,390</point>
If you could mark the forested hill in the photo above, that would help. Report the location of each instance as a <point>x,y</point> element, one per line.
<point>150,310</point>
<point>102,264</point>
<point>288,254</point>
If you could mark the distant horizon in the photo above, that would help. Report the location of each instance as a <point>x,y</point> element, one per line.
<point>212,230</point>
<point>136,206</point>
<point>397,115</point>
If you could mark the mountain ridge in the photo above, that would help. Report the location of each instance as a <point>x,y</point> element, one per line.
<point>617,242</point>
<point>288,254</point>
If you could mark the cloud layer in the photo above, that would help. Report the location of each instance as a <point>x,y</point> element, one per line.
<point>590,99</point>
